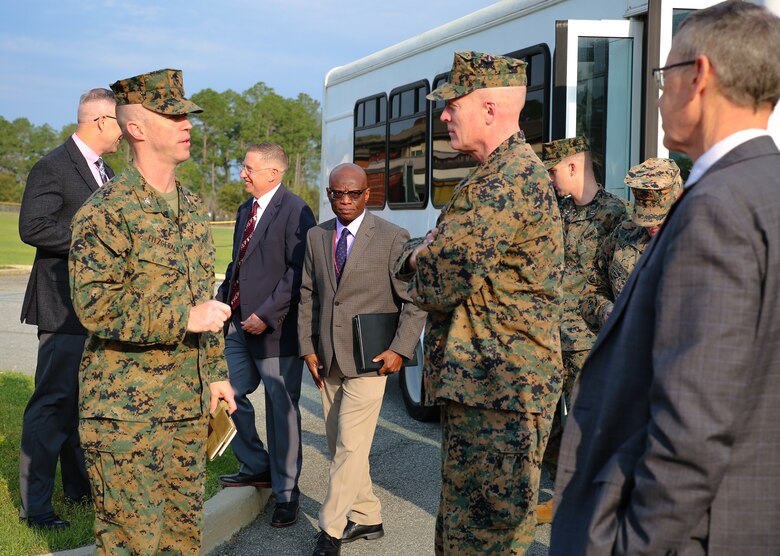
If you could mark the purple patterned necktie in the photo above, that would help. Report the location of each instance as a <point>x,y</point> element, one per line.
<point>102,170</point>
<point>341,254</point>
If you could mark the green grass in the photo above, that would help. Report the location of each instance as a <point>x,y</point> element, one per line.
<point>12,250</point>
<point>222,235</point>
<point>16,539</point>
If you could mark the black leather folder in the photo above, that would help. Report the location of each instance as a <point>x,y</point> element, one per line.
<point>374,332</point>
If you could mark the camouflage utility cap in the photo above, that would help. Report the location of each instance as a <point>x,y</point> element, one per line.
<point>555,151</point>
<point>655,183</point>
<point>160,91</point>
<point>474,70</point>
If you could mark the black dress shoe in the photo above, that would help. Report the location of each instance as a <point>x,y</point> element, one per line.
<point>48,521</point>
<point>285,514</point>
<point>261,480</point>
<point>327,545</point>
<point>354,531</point>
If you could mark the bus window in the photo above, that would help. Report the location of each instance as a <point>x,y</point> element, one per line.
<point>448,166</point>
<point>370,145</point>
<point>407,185</point>
<point>535,117</point>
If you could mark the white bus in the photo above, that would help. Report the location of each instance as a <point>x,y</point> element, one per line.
<point>589,72</point>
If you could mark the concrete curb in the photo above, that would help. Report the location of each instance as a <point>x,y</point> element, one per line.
<point>227,512</point>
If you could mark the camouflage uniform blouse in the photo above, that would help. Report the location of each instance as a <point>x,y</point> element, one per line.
<point>613,266</point>
<point>492,284</point>
<point>585,228</point>
<point>135,272</point>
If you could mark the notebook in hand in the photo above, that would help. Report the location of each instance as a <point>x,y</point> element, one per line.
<point>221,431</point>
<point>374,332</point>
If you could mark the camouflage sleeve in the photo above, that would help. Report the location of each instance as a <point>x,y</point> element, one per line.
<point>469,245</point>
<point>216,364</point>
<point>593,306</point>
<point>400,269</point>
<point>117,297</point>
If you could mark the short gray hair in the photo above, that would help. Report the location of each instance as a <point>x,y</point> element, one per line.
<point>93,95</point>
<point>741,40</point>
<point>270,152</point>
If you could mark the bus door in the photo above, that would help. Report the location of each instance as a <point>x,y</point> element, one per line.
<point>598,93</point>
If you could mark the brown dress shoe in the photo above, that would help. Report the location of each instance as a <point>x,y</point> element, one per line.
<point>544,512</point>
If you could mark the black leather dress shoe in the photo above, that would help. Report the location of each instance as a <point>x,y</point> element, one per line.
<point>285,514</point>
<point>48,521</point>
<point>261,480</point>
<point>327,545</point>
<point>354,531</point>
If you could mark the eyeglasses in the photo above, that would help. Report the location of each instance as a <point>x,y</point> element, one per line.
<point>658,73</point>
<point>104,116</point>
<point>353,194</point>
<point>249,171</point>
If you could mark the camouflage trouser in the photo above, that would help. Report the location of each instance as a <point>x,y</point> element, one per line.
<point>491,462</point>
<point>147,484</point>
<point>572,364</point>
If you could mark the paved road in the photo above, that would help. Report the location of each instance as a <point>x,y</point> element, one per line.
<point>405,471</point>
<point>404,462</point>
<point>18,342</point>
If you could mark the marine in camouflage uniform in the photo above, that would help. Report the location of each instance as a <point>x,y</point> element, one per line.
<point>656,184</point>
<point>589,214</point>
<point>141,268</point>
<point>491,281</point>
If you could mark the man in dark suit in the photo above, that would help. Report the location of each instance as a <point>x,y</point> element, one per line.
<point>57,186</point>
<point>349,271</point>
<point>262,285</point>
<point>673,444</point>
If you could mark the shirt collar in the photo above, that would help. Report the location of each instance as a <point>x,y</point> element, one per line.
<point>264,199</point>
<point>353,227</point>
<point>90,155</point>
<point>719,150</point>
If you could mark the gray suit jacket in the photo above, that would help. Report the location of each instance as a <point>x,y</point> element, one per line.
<point>673,444</point>
<point>57,186</point>
<point>367,286</point>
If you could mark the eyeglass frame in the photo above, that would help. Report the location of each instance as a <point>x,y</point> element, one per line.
<point>249,171</point>
<point>104,116</point>
<point>352,194</point>
<point>658,73</point>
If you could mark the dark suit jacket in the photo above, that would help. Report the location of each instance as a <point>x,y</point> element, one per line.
<point>270,275</point>
<point>367,286</point>
<point>673,444</point>
<point>57,186</point>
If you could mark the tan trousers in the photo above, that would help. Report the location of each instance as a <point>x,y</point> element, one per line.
<point>351,409</point>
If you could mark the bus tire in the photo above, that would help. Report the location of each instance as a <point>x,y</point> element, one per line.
<point>410,382</point>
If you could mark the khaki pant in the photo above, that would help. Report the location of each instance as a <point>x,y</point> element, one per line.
<point>148,483</point>
<point>351,409</point>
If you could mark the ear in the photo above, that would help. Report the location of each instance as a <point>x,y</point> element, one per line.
<point>490,111</point>
<point>135,130</point>
<point>572,168</point>
<point>705,73</point>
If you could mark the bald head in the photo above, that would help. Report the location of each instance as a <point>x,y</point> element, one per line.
<point>350,171</point>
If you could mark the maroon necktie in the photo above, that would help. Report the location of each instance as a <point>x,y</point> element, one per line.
<point>249,229</point>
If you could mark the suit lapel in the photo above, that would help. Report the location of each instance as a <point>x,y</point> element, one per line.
<point>759,146</point>
<point>362,239</point>
<point>327,248</point>
<point>268,215</point>
<point>81,164</point>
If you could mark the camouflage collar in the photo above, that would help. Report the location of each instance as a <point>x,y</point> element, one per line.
<point>148,197</point>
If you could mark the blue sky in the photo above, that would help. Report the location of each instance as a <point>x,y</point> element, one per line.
<point>51,52</point>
